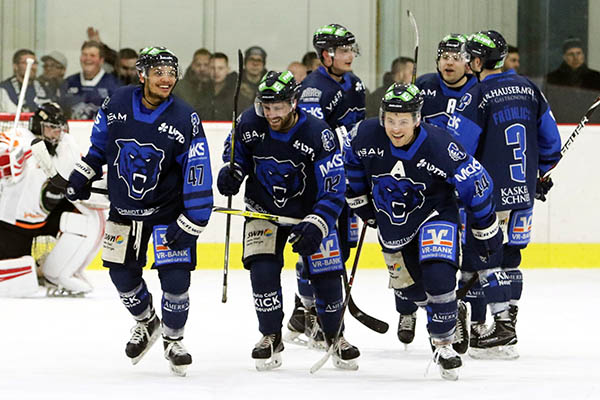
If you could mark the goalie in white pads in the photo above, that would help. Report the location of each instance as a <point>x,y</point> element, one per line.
<point>33,166</point>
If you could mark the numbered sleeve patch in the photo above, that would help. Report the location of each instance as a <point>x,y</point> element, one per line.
<point>328,257</point>
<point>438,240</point>
<point>162,253</point>
<point>519,230</point>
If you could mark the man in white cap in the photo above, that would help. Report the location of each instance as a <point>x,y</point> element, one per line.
<point>55,67</point>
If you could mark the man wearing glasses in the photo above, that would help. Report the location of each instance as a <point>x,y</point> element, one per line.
<point>11,87</point>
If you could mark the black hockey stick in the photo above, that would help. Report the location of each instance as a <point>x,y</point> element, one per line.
<point>231,165</point>
<point>370,322</point>
<point>413,21</point>
<point>331,349</point>
<point>575,133</point>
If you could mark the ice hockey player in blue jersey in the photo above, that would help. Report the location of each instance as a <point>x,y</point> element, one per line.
<point>294,168</point>
<point>441,90</point>
<point>402,177</point>
<point>337,96</point>
<point>506,123</point>
<point>159,186</point>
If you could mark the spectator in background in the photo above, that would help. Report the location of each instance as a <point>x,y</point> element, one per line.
<point>311,61</point>
<point>401,72</point>
<point>196,87</point>
<point>298,70</point>
<point>512,59</point>
<point>110,55</point>
<point>573,71</point>
<point>255,60</point>
<point>223,88</point>
<point>55,66</point>
<point>82,94</point>
<point>11,88</point>
<point>125,69</point>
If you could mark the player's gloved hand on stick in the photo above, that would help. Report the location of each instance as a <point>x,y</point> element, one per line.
<point>79,184</point>
<point>367,214</point>
<point>306,237</point>
<point>488,238</point>
<point>542,187</point>
<point>229,181</point>
<point>182,233</point>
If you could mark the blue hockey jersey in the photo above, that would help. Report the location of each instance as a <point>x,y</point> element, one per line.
<point>158,160</point>
<point>81,99</point>
<point>295,173</point>
<point>338,103</point>
<point>410,185</point>
<point>506,123</point>
<point>440,100</point>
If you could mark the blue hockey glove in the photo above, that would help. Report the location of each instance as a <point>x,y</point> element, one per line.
<point>306,237</point>
<point>182,234</point>
<point>363,207</point>
<point>542,187</point>
<point>488,238</point>
<point>79,184</point>
<point>229,181</point>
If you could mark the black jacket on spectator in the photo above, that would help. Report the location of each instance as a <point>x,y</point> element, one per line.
<point>197,94</point>
<point>583,77</point>
<point>222,102</point>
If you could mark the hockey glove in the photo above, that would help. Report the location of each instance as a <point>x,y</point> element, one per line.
<point>363,207</point>
<point>542,187</point>
<point>306,237</point>
<point>229,181</point>
<point>488,238</point>
<point>79,184</point>
<point>182,234</point>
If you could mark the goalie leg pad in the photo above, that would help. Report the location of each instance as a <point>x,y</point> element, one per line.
<point>18,277</point>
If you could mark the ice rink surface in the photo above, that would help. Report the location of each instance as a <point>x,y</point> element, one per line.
<point>64,348</point>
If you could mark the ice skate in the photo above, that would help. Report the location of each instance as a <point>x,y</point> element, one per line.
<point>513,310</point>
<point>296,325</point>
<point>178,356</point>
<point>145,333</point>
<point>406,328</point>
<point>344,354</point>
<point>71,287</point>
<point>498,342</point>
<point>448,361</point>
<point>267,352</point>
<point>313,331</point>
<point>461,335</point>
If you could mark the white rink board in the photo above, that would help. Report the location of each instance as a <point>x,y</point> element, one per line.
<point>571,214</point>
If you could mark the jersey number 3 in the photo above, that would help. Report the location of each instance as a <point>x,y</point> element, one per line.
<point>515,136</point>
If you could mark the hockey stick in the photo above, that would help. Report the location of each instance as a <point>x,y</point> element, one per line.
<point>575,133</point>
<point>231,165</point>
<point>251,214</point>
<point>331,349</point>
<point>370,322</point>
<point>413,21</point>
<point>11,155</point>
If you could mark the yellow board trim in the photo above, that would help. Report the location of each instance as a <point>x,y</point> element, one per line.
<point>537,255</point>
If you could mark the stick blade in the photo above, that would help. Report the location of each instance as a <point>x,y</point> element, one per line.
<point>319,364</point>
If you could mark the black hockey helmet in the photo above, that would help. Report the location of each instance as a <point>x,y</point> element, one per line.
<point>401,98</point>
<point>151,57</point>
<point>451,43</point>
<point>51,115</point>
<point>490,46</point>
<point>330,36</point>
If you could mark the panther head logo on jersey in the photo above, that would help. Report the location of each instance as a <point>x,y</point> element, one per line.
<point>283,180</point>
<point>139,166</point>
<point>397,198</point>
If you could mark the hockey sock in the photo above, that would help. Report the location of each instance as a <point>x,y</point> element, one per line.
<point>516,283</point>
<point>441,314</point>
<point>476,298</point>
<point>266,289</point>
<point>405,299</point>
<point>496,287</point>
<point>138,301</point>
<point>305,289</point>
<point>329,300</point>
<point>175,308</point>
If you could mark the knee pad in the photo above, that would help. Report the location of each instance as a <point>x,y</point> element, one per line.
<point>18,277</point>
<point>516,283</point>
<point>138,301</point>
<point>441,314</point>
<point>175,309</point>
<point>329,301</point>
<point>438,277</point>
<point>266,289</point>
<point>174,280</point>
<point>496,287</point>
<point>475,297</point>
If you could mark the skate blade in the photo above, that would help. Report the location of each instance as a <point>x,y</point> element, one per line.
<point>267,364</point>
<point>294,338</point>
<point>508,352</point>
<point>151,341</point>
<point>317,345</point>
<point>348,365</point>
<point>449,374</point>
<point>179,370</point>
